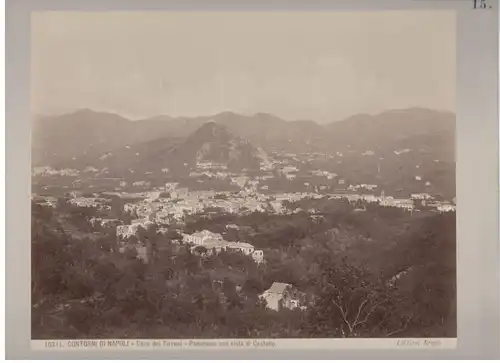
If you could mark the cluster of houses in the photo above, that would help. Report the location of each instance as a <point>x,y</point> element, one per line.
<point>99,203</point>
<point>50,171</point>
<point>210,165</point>
<point>370,187</point>
<point>211,242</point>
<point>45,201</point>
<point>217,175</point>
<point>289,171</point>
<point>125,231</point>
<point>324,173</point>
<point>404,203</point>
<point>129,230</point>
<point>105,222</point>
<point>441,206</point>
<point>278,296</point>
<point>165,210</point>
<point>214,243</point>
<point>386,201</point>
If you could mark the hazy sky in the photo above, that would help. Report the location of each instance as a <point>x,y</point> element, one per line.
<point>319,66</point>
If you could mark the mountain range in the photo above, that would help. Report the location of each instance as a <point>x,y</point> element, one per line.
<point>89,137</point>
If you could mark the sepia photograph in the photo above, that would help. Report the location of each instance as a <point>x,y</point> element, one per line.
<point>243,175</point>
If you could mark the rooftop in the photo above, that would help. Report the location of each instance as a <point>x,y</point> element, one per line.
<point>211,242</point>
<point>240,245</point>
<point>278,287</point>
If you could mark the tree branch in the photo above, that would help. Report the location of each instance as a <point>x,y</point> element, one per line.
<point>401,328</point>
<point>359,312</point>
<point>383,319</point>
<point>371,311</point>
<point>344,316</point>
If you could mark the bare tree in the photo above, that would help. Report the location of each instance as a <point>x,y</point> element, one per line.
<point>351,302</point>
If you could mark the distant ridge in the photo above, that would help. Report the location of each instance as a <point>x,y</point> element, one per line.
<point>87,132</point>
<point>211,142</point>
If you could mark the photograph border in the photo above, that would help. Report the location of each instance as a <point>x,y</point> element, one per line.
<point>477,175</point>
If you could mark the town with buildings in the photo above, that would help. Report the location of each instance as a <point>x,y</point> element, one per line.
<point>172,203</point>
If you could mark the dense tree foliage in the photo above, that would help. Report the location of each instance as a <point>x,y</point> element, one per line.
<point>373,274</point>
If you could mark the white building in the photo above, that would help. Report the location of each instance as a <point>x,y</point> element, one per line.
<point>281,295</point>
<point>169,187</point>
<point>245,248</point>
<point>277,207</point>
<point>258,256</point>
<point>198,238</point>
<point>154,195</point>
<point>141,183</point>
<point>239,181</point>
<point>214,242</point>
<point>446,208</point>
<point>398,203</point>
<point>422,196</point>
<point>289,169</point>
<point>129,230</point>
<point>207,165</point>
<point>404,151</point>
<point>370,198</point>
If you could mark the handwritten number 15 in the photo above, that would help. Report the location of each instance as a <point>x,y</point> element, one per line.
<point>481,4</point>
